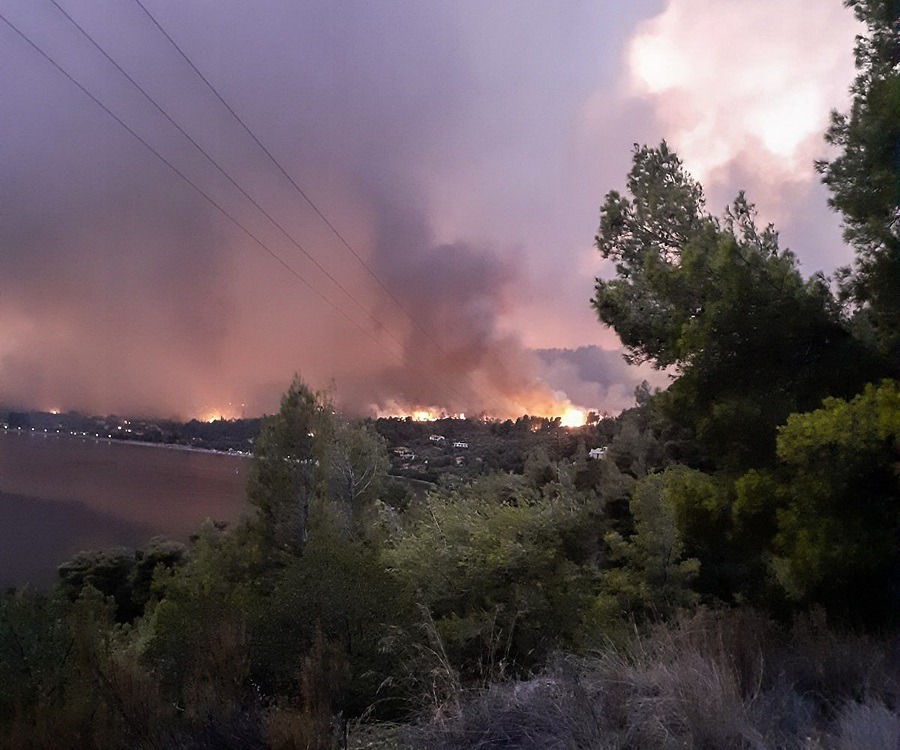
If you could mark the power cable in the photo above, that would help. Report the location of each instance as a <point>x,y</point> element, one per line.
<point>382,326</point>
<point>224,173</point>
<point>303,193</point>
<point>210,200</point>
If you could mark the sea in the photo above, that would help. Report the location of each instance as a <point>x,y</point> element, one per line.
<point>62,494</point>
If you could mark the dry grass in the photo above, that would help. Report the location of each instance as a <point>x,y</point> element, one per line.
<point>714,681</point>
<point>868,726</point>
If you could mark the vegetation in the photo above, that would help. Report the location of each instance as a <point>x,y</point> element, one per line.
<point>709,680</point>
<point>496,445</point>
<point>219,435</point>
<point>726,577</point>
<point>864,178</point>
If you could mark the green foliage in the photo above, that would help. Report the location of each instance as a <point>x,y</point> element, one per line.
<point>837,494</point>
<point>700,504</point>
<point>338,592</point>
<point>719,303</point>
<point>70,677</point>
<point>109,571</point>
<point>635,447</point>
<point>505,569</point>
<point>289,466</point>
<point>197,630</point>
<point>358,467</point>
<point>121,574</point>
<point>310,467</point>
<point>647,573</point>
<point>724,532</point>
<point>643,236</point>
<point>539,470</point>
<point>152,562</point>
<point>243,641</point>
<point>34,644</point>
<point>753,346</point>
<point>864,178</point>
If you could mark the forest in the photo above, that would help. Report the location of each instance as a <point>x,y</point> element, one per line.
<point>728,576</point>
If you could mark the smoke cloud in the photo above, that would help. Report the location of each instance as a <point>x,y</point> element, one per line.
<point>743,91</point>
<point>739,80</point>
<point>461,150</point>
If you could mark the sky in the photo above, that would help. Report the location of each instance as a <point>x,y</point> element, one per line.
<point>422,237</point>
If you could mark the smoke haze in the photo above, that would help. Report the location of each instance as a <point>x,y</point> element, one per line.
<point>461,150</point>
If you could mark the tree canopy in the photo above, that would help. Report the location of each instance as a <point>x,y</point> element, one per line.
<point>724,308</point>
<point>779,461</point>
<point>864,178</point>
<point>289,465</point>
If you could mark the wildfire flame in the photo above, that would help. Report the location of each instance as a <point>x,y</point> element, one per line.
<point>417,413</point>
<point>573,417</point>
<point>214,415</point>
<point>569,415</point>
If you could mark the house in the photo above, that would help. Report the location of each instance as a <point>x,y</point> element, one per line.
<point>403,452</point>
<point>437,438</point>
<point>460,445</point>
<point>597,453</point>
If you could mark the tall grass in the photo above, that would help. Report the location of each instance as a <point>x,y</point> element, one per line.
<point>711,681</point>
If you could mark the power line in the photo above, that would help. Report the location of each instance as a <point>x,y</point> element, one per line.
<point>222,171</point>
<point>381,325</point>
<point>302,192</point>
<point>210,200</point>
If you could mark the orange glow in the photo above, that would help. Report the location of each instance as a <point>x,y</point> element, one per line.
<point>214,415</point>
<point>225,411</point>
<point>418,413</point>
<point>573,418</point>
<point>535,406</point>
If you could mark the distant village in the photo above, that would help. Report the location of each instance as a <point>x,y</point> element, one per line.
<point>228,436</point>
<point>418,450</point>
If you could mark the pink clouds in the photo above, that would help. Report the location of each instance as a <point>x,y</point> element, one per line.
<point>746,83</point>
<point>463,150</point>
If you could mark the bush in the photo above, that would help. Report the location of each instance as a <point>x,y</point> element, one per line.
<point>716,680</point>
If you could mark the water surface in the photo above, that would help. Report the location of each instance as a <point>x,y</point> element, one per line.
<point>61,494</point>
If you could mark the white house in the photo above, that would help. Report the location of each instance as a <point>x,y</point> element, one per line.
<point>597,453</point>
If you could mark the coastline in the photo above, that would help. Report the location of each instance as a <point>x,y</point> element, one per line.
<point>118,441</point>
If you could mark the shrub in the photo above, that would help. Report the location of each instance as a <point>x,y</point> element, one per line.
<point>715,680</point>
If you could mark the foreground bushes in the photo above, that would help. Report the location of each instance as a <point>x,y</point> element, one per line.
<point>713,680</point>
<point>331,613</point>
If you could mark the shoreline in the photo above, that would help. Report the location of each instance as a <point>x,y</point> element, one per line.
<point>119,441</point>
